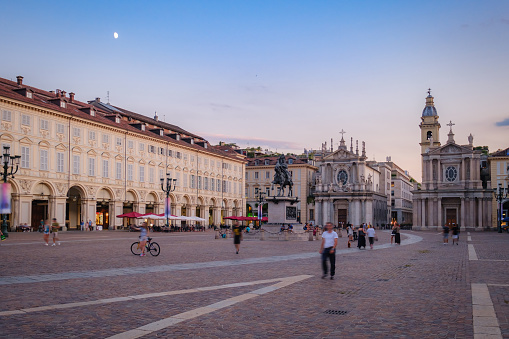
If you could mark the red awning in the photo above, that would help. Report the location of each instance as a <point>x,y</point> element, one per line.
<point>130,215</point>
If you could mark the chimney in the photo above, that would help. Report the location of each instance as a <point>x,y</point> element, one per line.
<point>57,93</point>
<point>20,80</point>
<point>63,94</point>
<point>71,97</point>
<point>156,118</point>
<point>98,99</point>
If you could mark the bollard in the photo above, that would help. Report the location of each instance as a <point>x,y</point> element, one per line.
<point>217,235</point>
<point>319,235</point>
<point>262,234</point>
<point>339,233</point>
<point>310,237</point>
<point>286,235</point>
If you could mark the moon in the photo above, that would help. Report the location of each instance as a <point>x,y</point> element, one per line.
<point>115,35</point>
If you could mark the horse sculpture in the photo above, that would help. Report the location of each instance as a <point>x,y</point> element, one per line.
<point>282,177</point>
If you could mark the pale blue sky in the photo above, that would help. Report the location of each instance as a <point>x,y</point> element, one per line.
<point>280,74</point>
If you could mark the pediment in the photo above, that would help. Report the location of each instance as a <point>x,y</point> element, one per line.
<point>61,147</point>
<point>92,152</point>
<point>451,149</point>
<point>340,154</point>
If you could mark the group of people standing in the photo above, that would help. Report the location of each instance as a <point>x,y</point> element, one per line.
<point>455,233</point>
<point>51,229</point>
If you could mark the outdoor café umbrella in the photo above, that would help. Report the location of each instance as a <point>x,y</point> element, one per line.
<point>130,215</point>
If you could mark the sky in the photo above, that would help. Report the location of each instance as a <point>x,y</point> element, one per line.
<point>284,75</point>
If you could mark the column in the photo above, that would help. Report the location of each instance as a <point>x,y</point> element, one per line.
<point>318,212</point>
<point>462,220</point>
<point>368,205</point>
<point>440,221</point>
<point>216,216</point>
<point>358,212</point>
<point>431,213</point>
<point>363,210</point>
<point>58,210</point>
<point>423,213</point>
<point>479,213</point>
<point>415,213</point>
<point>325,211</point>
<point>16,212</point>
<point>471,221</point>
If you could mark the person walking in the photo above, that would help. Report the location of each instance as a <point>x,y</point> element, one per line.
<point>445,232</point>
<point>371,236</point>
<point>455,234</point>
<point>45,231</point>
<point>397,235</point>
<point>90,227</point>
<point>55,226</point>
<point>82,225</point>
<point>361,237</point>
<point>349,231</point>
<point>328,250</point>
<point>237,236</point>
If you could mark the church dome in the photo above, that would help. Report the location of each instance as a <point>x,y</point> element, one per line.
<point>429,110</point>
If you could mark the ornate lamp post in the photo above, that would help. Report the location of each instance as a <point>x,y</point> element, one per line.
<point>11,165</point>
<point>500,195</point>
<point>167,188</point>
<point>260,200</point>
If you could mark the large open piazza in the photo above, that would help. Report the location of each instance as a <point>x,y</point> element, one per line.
<point>92,286</point>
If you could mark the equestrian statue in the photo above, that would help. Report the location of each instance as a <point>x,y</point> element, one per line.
<point>282,177</point>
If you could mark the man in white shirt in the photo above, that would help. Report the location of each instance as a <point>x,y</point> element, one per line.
<point>328,250</point>
<point>371,236</point>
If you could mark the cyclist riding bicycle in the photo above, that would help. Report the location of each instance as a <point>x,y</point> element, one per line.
<point>143,237</point>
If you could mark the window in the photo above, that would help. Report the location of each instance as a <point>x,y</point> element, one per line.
<point>218,184</point>
<point>118,171</point>
<point>225,187</point>
<point>267,162</point>
<point>29,95</point>
<point>179,155</point>
<point>141,147</point>
<point>6,116</point>
<point>91,135</point>
<point>161,174</point>
<point>152,149</point>
<point>91,167</point>
<point>60,162</point>
<point>44,125</point>
<point>247,192</point>
<point>247,175</point>
<point>212,163</point>
<point>256,175</point>
<point>177,175</point>
<point>199,183</point>
<point>256,190</point>
<point>185,157</point>
<point>106,139</point>
<point>212,184</point>
<point>118,142</point>
<point>25,120</point>
<point>60,128</point>
<point>161,151</point>
<point>75,164</point>
<point>192,158</point>
<point>290,161</point>
<point>130,144</point>
<point>76,132</point>
<point>185,180</point>
<point>142,174</point>
<point>206,183</point>
<point>192,181</point>
<point>62,104</point>
<point>451,173</point>
<point>267,175</point>
<point>170,153</point>
<point>342,177</point>
<point>267,191</point>
<point>151,175</point>
<point>130,172</point>
<point>106,171</point>
<point>44,160</point>
<point>25,157</point>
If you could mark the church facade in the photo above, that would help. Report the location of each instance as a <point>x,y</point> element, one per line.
<point>351,189</point>
<point>452,191</point>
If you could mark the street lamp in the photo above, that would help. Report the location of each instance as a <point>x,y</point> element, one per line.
<point>11,165</point>
<point>260,199</point>
<point>500,196</point>
<point>167,188</point>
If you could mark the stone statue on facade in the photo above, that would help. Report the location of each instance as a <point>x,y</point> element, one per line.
<point>282,177</point>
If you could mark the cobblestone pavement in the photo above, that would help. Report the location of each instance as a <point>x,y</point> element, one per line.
<point>419,290</point>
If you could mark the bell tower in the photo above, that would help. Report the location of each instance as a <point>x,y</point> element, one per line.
<point>429,125</point>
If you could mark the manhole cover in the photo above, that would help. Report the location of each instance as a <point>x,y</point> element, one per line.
<point>337,312</point>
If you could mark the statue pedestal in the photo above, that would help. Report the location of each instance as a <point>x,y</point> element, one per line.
<point>282,210</point>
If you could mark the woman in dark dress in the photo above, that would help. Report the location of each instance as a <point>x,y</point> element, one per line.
<point>361,240</point>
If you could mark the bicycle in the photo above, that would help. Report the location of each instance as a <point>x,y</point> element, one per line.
<point>151,247</point>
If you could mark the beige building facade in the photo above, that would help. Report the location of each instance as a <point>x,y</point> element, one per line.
<point>260,173</point>
<point>499,167</point>
<point>402,186</point>
<point>93,161</point>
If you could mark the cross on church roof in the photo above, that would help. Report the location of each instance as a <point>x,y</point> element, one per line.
<point>450,124</point>
<point>429,91</point>
<point>342,132</point>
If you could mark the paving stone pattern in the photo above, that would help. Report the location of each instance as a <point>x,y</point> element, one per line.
<point>421,290</point>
